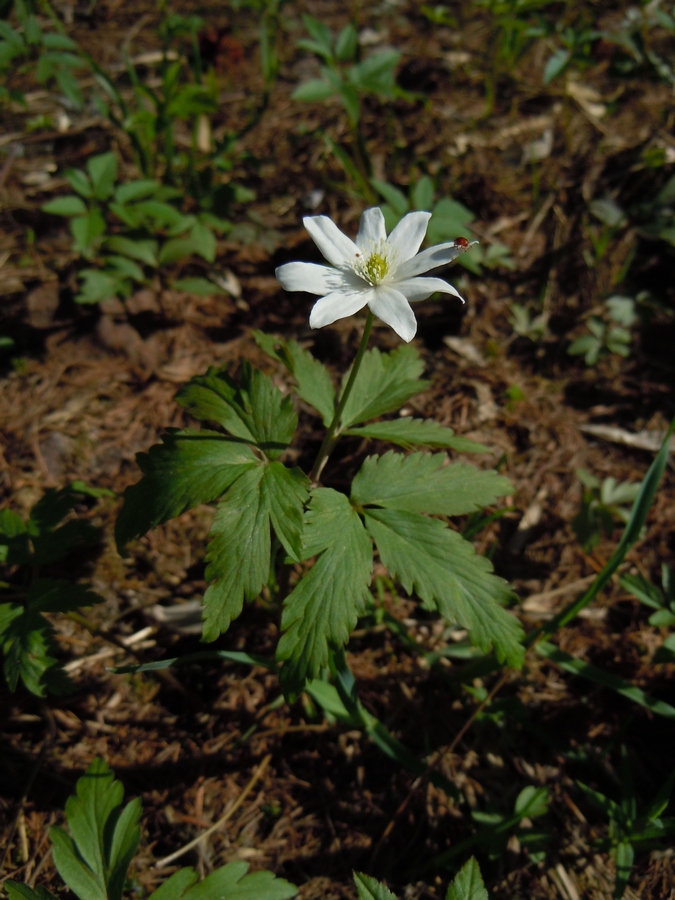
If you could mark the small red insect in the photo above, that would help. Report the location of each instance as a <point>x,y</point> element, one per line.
<point>461,243</point>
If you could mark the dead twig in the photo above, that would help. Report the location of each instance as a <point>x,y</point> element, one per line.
<point>223,819</point>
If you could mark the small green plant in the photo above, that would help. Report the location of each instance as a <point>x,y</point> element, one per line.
<point>27,594</point>
<point>271,514</point>
<point>601,506</point>
<point>495,828</point>
<point>348,78</point>
<point>450,219</point>
<point>661,599</point>
<point>151,229</point>
<point>636,35</point>
<point>600,340</point>
<point>26,47</point>
<point>630,829</point>
<point>524,324</point>
<point>94,859</point>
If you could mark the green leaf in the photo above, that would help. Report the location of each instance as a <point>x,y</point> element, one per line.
<point>175,888</point>
<point>69,205</point>
<point>377,73</point>
<point>314,384</point>
<point>313,91</point>
<point>94,861</point>
<point>346,44</point>
<point>407,433</point>
<point>79,182</point>
<point>200,286</point>
<point>422,194</point>
<point>394,197</point>
<point>468,884</point>
<point>607,679</point>
<point>126,268</point>
<point>319,32</point>
<point>144,251</point>
<point>323,608</point>
<point>423,483</point>
<point>238,556</point>
<point>186,469</point>
<point>102,170</point>
<point>444,571</point>
<point>136,190</point>
<point>87,230</point>
<point>255,410</point>
<point>555,65</point>
<point>230,882</point>
<point>384,383</point>
<point>98,286</point>
<point>369,888</point>
<point>16,891</point>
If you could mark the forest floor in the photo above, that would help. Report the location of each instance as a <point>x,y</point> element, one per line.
<point>86,388</point>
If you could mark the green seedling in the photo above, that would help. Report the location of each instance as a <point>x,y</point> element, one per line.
<point>27,593</point>
<point>630,829</point>
<point>150,230</point>
<point>94,859</point>
<point>602,505</point>
<point>524,324</point>
<point>660,599</point>
<point>50,55</point>
<point>450,219</point>
<point>348,78</point>
<point>636,35</point>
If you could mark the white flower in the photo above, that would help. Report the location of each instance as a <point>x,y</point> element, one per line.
<point>376,271</point>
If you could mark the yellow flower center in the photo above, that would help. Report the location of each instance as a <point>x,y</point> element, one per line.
<point>375,268</point>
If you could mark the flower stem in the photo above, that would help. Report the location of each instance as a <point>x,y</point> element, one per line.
<point>333,433</point>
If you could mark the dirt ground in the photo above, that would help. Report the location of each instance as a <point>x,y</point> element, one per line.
<point>86,388</point>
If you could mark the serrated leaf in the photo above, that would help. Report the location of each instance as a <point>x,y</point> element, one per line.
<point>186,469</point>
<point>468,884</point>
<point>422,483</point>
<point>323,608</point>
<point>175,888</point>
<point>238,556</point>
<point>253,410</point>
<point>384,383</point>
<point>443,569</point>
<point>314,384</point>
<point>26,637</point>
<point>230,882</point>
<point>94,861</point>
<point>369,888</point>
<point>407,433</point>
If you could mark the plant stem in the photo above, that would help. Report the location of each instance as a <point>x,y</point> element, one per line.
<point>333,432</point>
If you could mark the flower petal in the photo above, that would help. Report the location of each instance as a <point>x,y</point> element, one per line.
<point>371,228</point>
<point>310,277</point>
<point>335,246</point>
<point>406,239</point>
<point>391,306</point>
<point>420,288</point>
<point>440,255</point>
<point>337,305</point>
